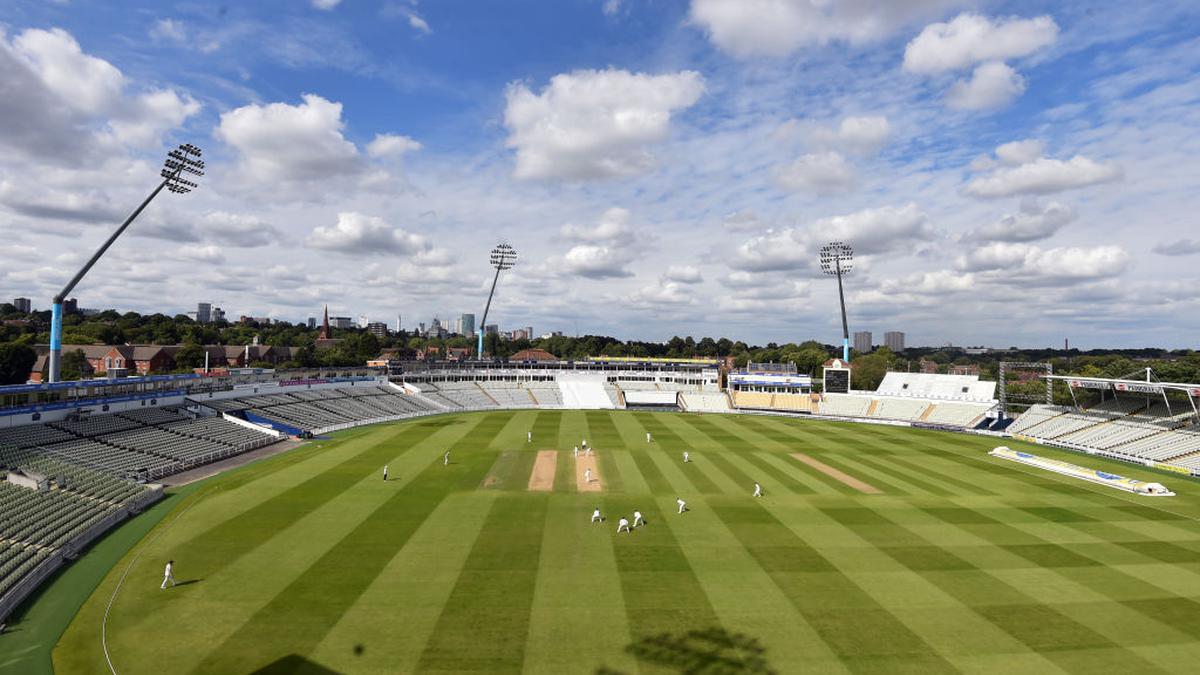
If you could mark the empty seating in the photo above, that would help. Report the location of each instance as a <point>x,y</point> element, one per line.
<point>900,409</point>
<point>848,405</point>
<point>704,402</point>
<point>956,414</point>
<point>752,399</point>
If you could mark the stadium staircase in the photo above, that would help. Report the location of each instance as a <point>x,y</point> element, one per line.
<point>872,408</point>
<point>928,411</point>
<point>487,395</point>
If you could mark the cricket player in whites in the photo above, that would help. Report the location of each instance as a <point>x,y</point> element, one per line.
<point>682,505</point>
<point>385,467</point>
<point>648,437</point>
<point>596,517</point>
<point>168,575</point>
<point>528,436</point>
<point>637,519</point>
<point>446,459</point>
<point>686,457</point>
<point>623,524</point>
<point>587,475</point>
<point>757,490</point>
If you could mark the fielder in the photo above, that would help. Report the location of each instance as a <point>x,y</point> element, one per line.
<point>528,436</point>
<point>577,452</point>
<point>167,575</point>
<point>385,466</point>
<point>596,517</point>
<point>682,505</point>
<point>757,490</point>
<point>446,459</point>
<point>647,436</point>
<point>623,524</point>
<point>637,519</point>
<point>587,475</point>
<point>686,457</point>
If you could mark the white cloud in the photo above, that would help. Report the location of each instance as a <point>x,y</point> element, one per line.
<point>168,29</point>
<point>1043,176</point>
<point>1178,248</point>
<point>595,262</point>
<point>281,142</point>
<point>742,221</point>
<point>1031,265</point>
<point>359,234</point>
<point>970,38</point>
<point>992,85</point>
<point>1034,221</point>
<point>1016,153</point>
<point>666,294</point>
<point>418,23</point>
<point>936,283</point>
<point>747,28</point>
<point>683,274</point>
<point>594,123</point>
<point>818,173</point>
<point>613,228</point>
<point>60,93</point>
<point>391,145</point>
<point>863,135</point>
<point>326,4</point>
<point>870,231</point>
<point>199,253</point>
<point>237,229</point>
<point>149,116</point>
<point>86,83</point>
<point>600,251</point>
<point>611,7</point>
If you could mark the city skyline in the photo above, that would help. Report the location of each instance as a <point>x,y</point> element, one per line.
<point>1008,172</point>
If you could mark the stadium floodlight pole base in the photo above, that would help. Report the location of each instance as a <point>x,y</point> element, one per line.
<point>480,351</point>
<point>55,340</point>
<point>846,350</point>
<point>179,162</point>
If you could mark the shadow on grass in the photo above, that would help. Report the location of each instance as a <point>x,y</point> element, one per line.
<point>697,652</point>
<point>294,664</point>
<point>189,582</point>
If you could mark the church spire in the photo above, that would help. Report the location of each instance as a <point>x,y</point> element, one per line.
<point>324,334</point>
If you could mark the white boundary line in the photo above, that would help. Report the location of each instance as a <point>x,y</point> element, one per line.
<point>121,581</point>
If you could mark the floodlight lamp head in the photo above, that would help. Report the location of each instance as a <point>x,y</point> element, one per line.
<point>504,256</point>
<point>836,258</point>
<point>183,160</point>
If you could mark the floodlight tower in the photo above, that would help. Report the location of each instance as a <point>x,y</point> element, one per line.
<point>837,259</point>
<point>503,258</point>
<point>184,160</point>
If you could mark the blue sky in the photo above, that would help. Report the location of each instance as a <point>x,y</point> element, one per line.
<point>1010,173</point>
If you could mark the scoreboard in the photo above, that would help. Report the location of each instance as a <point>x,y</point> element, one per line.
<point>837,380</point>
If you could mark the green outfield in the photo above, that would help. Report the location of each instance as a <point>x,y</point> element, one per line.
<point>309,562</point>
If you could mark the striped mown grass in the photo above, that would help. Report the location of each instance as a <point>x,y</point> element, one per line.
<point>962,563</point>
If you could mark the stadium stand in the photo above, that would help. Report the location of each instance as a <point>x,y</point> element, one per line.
<point>704,402</point>
<point>546,393</point>
<point>753,399</point>
<point>1124,427</point>
<point>900,409</point>
<point>587,392</point>
<point>937,387</point>
<point>42,526</point>
<point>955,414</point>
<point>845,405</point>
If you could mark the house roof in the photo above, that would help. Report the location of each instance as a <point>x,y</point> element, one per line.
<point>533,355</point>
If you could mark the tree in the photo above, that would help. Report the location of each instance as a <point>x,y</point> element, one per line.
<point>16,362</point>
<point>190,356</point>
<point>75,365</point>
